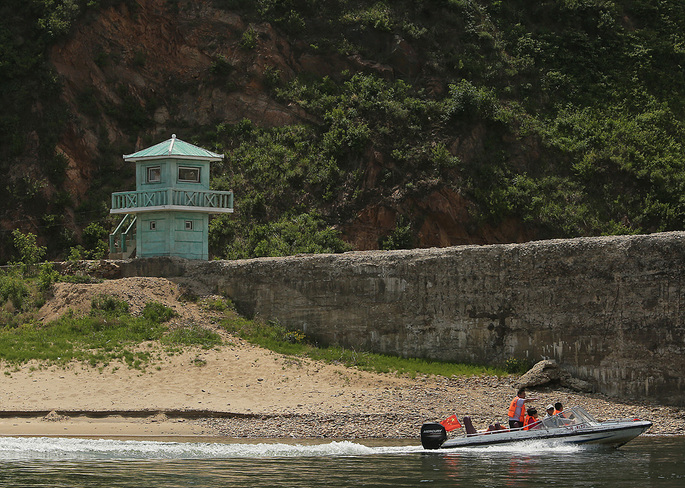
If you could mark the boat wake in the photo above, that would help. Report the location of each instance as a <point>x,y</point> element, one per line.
<point>527,448</point>
<point>26,448</point>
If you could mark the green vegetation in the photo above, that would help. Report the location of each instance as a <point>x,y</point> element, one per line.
<point>30,253</point>
<point>588,84</point>
<point>13,290</point>
<point>277,338</point>
<point>193,335</point>
<point>107,333</point>
<point>517,366</point>
<point>564,116</point>
<point>156,312</point>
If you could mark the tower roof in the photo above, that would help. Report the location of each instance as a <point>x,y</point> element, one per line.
<point>173,148</point>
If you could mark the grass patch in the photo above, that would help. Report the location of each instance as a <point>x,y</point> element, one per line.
<point>277,338</point>
<point>108,305</point>
<point>91,339</point>
<point>107,333</point>
<point>221,305</point>
<point>192,336</point>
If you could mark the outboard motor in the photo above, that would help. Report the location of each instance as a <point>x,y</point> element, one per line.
<point>433,435</point>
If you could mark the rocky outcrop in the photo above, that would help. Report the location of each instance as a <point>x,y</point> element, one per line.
<point>548,373</point>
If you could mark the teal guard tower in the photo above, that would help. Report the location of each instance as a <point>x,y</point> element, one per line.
<point>168,213</point>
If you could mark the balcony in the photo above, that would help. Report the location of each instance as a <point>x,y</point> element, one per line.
<point>206,201</point>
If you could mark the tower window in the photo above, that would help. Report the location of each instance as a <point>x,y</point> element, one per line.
<point>153,225</point>
<point>189,225</point>
<point>189,175</point>
<point>154,174</point>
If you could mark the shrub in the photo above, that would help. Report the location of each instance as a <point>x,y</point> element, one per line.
<point>221,66</point>
<point>95,241</point>
<point>516,366</point>
<point>108,305</point>
<point>248,41</point>
<point>29,251</point>
<point>47,276</point>
<point>158,313</point>
<point>218,304</point>
<point>402,237</point>
<point>13,288</point>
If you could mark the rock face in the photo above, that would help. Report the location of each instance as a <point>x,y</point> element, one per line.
<point>548,372</point>
<point>136,72</point>
<point>609,310</point>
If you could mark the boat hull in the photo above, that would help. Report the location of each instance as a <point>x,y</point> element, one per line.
<point>613,434</point>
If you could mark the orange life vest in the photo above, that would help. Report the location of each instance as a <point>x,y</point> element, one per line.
<point>513,407</point>
<point>530,420</point>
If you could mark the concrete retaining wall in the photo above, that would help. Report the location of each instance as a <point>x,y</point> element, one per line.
<point>609,310</point>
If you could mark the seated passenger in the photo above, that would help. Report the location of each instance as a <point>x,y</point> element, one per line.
<point>531,419</point>
<point>559,412</point>
<point>558,408</point>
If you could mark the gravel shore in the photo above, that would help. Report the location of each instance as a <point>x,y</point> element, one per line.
<point>399,412</point>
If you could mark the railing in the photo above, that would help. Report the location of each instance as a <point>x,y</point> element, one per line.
<point>123,239</point>
<point>172,197</point>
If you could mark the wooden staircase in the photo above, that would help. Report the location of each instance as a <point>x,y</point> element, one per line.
<point>122,242</point>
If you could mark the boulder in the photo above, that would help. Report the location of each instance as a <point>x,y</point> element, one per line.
<point>548,372</point>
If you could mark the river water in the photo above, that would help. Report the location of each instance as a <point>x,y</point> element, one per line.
<point>645,462</point>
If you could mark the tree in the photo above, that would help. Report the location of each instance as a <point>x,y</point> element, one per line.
<point>29,251</point>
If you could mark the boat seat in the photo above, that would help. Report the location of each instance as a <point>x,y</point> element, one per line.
<point>468,425</point>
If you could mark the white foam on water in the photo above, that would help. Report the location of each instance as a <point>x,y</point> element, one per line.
<point>12,448</point>
<point>527,448</point>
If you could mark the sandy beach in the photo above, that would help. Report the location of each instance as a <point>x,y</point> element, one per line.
<point>247,392</point>
<point>242,391</point>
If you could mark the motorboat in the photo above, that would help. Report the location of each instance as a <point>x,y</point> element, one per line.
<point>572,426</point>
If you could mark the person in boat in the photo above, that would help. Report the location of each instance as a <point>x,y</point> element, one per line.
<point>562,418</point>
<point>517,409</point>
<point>532,420</point>
<point>558,408</point>
<point>550,410</point>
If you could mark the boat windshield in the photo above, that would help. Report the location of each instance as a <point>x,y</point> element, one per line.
<point>570,416</point>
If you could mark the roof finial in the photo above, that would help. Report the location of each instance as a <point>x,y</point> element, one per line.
<point>171,146</point>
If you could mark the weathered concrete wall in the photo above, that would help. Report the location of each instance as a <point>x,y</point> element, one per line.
<point>609,310</point>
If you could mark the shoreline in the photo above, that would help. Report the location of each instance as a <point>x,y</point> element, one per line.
<point>245,392</point>
<point>193,426</point>
<point>238,390</point>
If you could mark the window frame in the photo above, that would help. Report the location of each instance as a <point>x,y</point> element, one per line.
<point>189,225</point>
<point>148,179</point>
<point>188,168</point>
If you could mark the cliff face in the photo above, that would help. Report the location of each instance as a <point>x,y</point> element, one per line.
<point>159,63</point>
<point>150,69</point>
